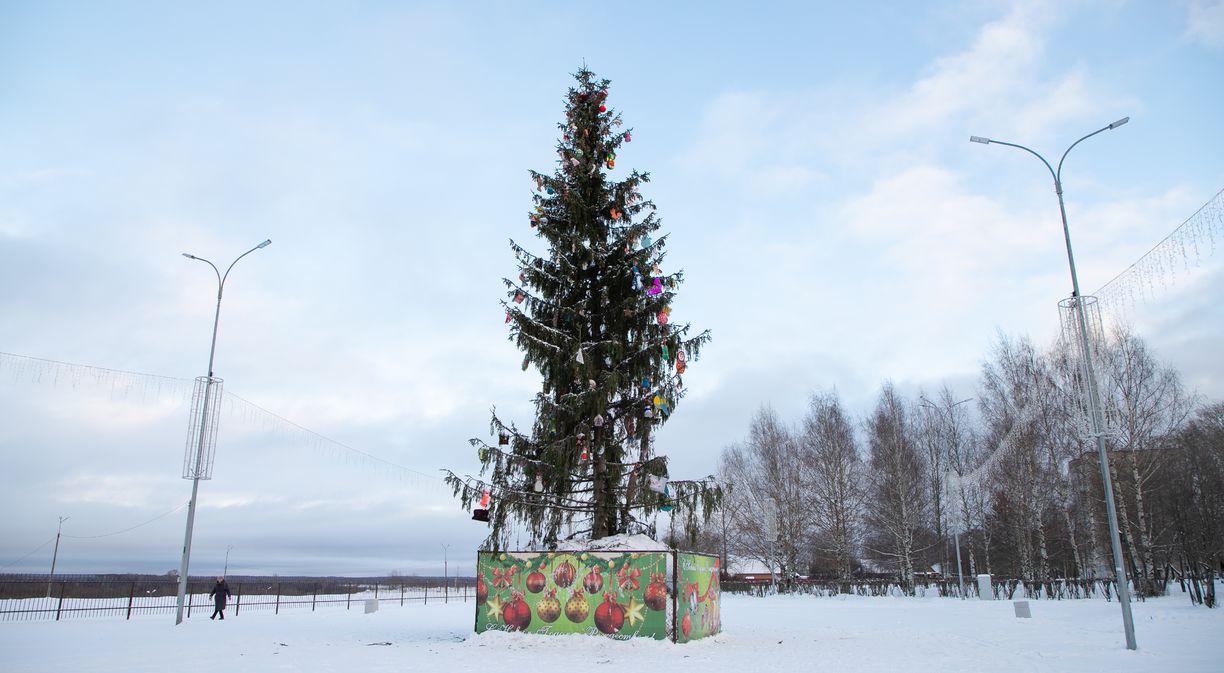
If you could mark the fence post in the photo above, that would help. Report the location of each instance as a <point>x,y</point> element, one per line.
<point>189,597</point>
<point>426,594</point>
<point>348,596</point>
<point>277,612</point>
<point>60,606</point>
<point>401,595</point>
<point>131,595</point>
<point>314,597</point>
<point>238,601</point>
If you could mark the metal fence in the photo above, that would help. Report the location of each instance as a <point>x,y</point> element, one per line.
<point>1007,589</point>
<point>37,598</point>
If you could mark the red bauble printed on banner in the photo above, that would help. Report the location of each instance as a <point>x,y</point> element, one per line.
<point>610,615</point>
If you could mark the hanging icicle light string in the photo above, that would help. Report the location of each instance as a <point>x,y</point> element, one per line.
<point>154,388</point>
<point>1178,253</point>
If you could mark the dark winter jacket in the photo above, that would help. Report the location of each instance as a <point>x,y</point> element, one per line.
<point>219,594</point>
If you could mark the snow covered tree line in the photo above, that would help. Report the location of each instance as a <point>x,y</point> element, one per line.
<point>1009,471</point>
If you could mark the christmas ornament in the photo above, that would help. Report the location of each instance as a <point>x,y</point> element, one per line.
<point>484,498</point>
<point>645,383</point>
<point>611,163</point>
<point>603,108</point>
<point>649,413</point>
<point>535,582</point>
<point>662,318</point>
<point>656,484</point>
<point>550,191</point>
<point>549,608</point>
<point>576,608</point>
<point>610,615</point>
<point>633,612</point>
<point>526,361</point>
<point>494,608</point>
<point>593,581</point>
<point>507,316</point>
<point>503,438</point>
<point>656,593</point>
<point>679,355</point>
<point>563,575</point>
<point>578,357</point>
<point>645,241</point>
<point>519,297</point>
<point>628,580</point>
<point>599,420</point>
<point>616,214</point>
<point>503,576</point>
<point>666,355</point>
<point>686,625</point>
<point>657,288</point>
<point>680,366</point>
<point>516,613</point>
<point>539,486</point>
<point>637,287</point>
<point>482,591</point>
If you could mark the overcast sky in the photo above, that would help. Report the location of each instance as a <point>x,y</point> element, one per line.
<point>810,162</point>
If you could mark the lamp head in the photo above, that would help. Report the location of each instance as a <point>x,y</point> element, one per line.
<point>979,139</point>
<point>189,256</point>
<point>265,244</point>
<point>1119,122</point>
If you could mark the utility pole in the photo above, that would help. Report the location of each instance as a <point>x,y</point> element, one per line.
<point>55,554</point>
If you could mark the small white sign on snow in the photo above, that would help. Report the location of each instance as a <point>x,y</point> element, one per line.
<point>1022,609</point>
<point>371,605</point>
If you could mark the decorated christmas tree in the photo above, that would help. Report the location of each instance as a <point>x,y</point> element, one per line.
<point>590,310</point>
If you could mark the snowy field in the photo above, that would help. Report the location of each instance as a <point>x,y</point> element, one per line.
<point>780,633</point>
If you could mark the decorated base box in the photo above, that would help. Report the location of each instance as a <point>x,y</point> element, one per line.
<point>619,594</point>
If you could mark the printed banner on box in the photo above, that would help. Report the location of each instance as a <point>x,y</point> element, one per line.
<point>620,594</point>
<point>697,600</point>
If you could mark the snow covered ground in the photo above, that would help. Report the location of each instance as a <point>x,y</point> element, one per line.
<point>780,633</point>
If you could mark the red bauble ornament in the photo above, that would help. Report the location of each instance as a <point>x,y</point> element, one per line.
<point>686,625</point>
<point>535,582</point>
<point>516,613</point>
<point>482,591</point>
<point>603,108</point>
<point>563,576</point>
<point>610,615</point>
<point>656,593</point>
<point>593,581</point>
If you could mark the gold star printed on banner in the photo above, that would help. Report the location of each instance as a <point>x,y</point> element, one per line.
<point>633,613</point>
<point>495,608</point>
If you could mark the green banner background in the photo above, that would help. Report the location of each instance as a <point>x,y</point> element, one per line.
<point>621,595</point>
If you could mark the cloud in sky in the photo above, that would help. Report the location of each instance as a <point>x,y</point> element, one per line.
<point>834,223</point>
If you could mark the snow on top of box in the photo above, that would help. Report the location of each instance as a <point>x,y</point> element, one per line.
<point>614,543</point>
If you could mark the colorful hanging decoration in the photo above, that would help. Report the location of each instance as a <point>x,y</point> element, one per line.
<point>519,297</point>
<point>645,241</point>
<point>649,413</point>
<point>628,137</point>
<point>645,383</point>
<point>507,316</point>
<point>526,362</point>
<point>616,214</point>
<point>582,444</point>
<point>656,484</point>
<point>666,355</point>
<point>663,315</point>
<point>656,288</point>
<point>578,358</point>
<point>482,453</point>
<point>539,483</point>
<point>599,420</point>
<point>484,498</point>
<point>667,503</point>
<point>503,438</point>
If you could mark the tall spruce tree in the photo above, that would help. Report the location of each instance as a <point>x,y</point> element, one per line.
<point>591,315</point>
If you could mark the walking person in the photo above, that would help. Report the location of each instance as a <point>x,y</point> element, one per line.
<point>219,593</point>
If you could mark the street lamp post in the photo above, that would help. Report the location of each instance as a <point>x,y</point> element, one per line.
<point>225,570</point>
<point>1094,398</point>
<point>960,572</point>
<point>203,429</point>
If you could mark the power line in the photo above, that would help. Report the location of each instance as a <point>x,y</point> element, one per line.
<point>32,552</point>
<point>120,532</point>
